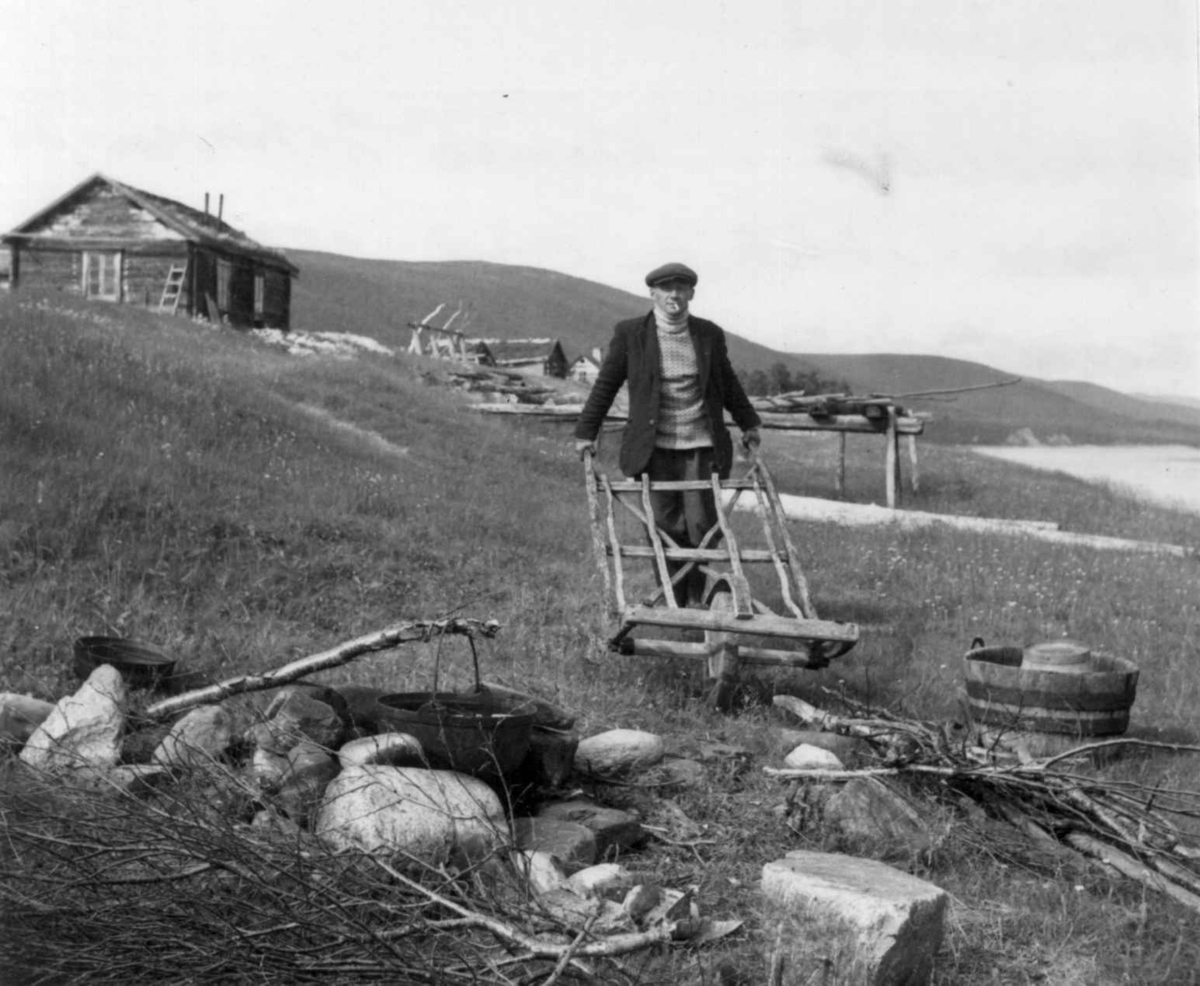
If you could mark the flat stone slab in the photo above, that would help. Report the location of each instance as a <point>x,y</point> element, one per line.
<point>572,844</point>
<point>878,925</point>
<point>612,828</point>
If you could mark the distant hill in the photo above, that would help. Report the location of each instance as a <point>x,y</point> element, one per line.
<point>378,298</point>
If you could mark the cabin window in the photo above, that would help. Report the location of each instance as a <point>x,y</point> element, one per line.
<point>224,275</point>
<point>102,274</point>
<point>258,295</point>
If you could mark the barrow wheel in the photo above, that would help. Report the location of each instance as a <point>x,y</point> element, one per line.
<point>722,651</point>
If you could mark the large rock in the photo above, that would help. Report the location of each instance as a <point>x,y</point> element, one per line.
<point>435,815</point>
<point>84,729</point>
<point>20,715</point>
<point>809,757</point>
<point>198,739</point>
<point>393,749</point>
<point>866,808</point>
<point>618,751</point>
<point>853,751</point>
<point>875,924</point>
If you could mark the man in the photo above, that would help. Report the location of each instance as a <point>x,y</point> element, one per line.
<point>680,386</point>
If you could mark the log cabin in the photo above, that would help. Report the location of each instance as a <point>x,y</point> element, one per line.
<point>110,241</point>
<point>536,357</point>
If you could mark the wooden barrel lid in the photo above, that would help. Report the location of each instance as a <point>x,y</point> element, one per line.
<point>1058,655</point>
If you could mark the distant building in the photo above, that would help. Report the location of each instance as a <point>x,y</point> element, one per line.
<point>537,357</point>
<point>107,240</point>
<point>586,368</point>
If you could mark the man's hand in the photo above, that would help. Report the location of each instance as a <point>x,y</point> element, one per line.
<point>584,445</point>
<point>751,439</point>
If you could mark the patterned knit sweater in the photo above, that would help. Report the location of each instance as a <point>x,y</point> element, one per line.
<point>681,420</point>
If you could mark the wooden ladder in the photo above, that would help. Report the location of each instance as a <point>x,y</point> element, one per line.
<point>172,289</point>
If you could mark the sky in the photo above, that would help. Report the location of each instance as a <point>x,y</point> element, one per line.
<point>1012,182</point>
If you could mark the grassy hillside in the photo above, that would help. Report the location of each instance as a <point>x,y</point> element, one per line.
<point>204,492</point>
<point>378,298</point>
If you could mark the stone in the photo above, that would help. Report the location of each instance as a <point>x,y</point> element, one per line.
<point>83,729</point>
<point>199,739</point>
<point>572,844</point>
<point>678,772</point>
<point>866,808</point>
<point>140,743</point>
<point>20,715</point>
<point>540,870</point>
<point>602,880</point>
<point>809,757</point>
<point>614,830</point>
<point>551,756</point>
<point>618,751</point>
<point>874,924</point>
<point>437,816</point>
<point>318,693</point>
<point>293,716</point>
<point>309,769</point>
<point>268,769</point>
<point>393,749</point>
<point>853,751</point>
<point>641,900</point>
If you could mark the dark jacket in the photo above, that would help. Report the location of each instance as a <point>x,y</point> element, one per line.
<point>633,357</point>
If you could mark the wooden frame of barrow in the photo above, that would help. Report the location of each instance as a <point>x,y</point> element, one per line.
<point>731,609</point>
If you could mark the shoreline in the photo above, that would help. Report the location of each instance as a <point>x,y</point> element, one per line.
<point>1165,475</point>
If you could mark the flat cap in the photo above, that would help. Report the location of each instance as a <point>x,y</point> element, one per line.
<point>672,272</point>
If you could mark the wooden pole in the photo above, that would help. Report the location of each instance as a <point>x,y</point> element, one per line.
<point>414,630</point>
<point>889,462</point>
<point>841,470</point>
<point>914,477</point>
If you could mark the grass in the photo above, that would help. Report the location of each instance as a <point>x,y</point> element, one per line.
<point>200,491</point>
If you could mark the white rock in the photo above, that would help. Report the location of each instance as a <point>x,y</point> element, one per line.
<point>436,815</point>
<point>601,878</point>
<point>394,749</point>
<point>20,715</point>
<point>883,925</point>
<point>199,738</point>
<point>84,729</point>
<point>809,757</point>
<point>540,870</point>
<point>618,751</point>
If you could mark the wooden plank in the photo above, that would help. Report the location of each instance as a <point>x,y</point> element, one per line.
<point>664,576</point>
<point>905,424</point>
<point>762,656</point>
<point>695,554</point>
<point>766,626</point>
<point>799,582</point>
<point>840,481</point>
<point>913,476</point>
<point>598,545</point>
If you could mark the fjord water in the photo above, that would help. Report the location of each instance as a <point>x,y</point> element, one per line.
<point>1165,474</point>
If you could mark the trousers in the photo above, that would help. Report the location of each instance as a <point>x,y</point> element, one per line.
<point>685,515</point>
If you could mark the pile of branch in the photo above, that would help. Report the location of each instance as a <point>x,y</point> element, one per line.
<point>1130,827</point>
<point>489,380</point>
<point>102,888</point>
